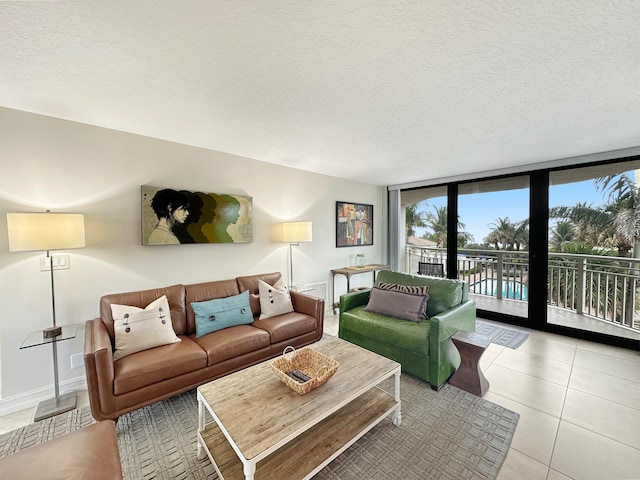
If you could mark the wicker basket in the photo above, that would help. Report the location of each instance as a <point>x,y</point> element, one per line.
<point>318,367</point>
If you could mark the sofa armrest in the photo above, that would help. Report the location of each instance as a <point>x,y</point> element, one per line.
<point>442,353</point>
<point>354,299</point>
<point>99,368</point>
<point>309,305</point>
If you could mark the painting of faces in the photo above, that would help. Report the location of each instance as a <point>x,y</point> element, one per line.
<point>354,224</point>
<point>174,217</point>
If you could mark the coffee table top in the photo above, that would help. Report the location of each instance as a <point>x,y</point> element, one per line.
<point>259,414</point>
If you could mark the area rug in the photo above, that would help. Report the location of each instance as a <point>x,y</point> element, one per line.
<point>449,434</point>
<point>507,337</point>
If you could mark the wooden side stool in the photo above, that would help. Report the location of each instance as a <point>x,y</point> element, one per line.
<point>469,377</point>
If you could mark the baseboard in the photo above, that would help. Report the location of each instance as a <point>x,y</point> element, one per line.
<point>31,399</point>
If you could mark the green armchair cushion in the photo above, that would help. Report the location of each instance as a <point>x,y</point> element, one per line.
<point>413,336</point>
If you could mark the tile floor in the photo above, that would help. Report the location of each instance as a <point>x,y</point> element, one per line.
<point>579,406</point>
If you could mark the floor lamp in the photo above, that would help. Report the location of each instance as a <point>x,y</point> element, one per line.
<point>45,232</point>
<point>293,233</point>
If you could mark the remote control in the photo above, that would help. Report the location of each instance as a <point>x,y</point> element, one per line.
<point>300,375</point>
<point>290,374</point>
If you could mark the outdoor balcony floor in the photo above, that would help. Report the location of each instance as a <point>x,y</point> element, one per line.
<point>555,316</point>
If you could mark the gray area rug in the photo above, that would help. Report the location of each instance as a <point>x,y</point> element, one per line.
<point>449,434</point>
<point>507,337</point>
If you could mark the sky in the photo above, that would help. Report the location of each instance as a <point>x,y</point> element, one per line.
<point>478,211</point>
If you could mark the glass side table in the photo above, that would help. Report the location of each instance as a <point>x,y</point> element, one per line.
<point>35,339</point>
<point>60,403</point>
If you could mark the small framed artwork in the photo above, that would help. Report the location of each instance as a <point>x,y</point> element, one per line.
<point>354,224</point>
<point>173,217</point>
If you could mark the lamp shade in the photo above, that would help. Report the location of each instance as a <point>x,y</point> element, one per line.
<point>294,232</point>
<point>45,231</point>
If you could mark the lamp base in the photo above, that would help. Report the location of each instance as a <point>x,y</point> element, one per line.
<point>51,332</point>
<point>55,406</point>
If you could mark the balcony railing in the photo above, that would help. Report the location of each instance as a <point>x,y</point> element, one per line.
<point>602,287</point>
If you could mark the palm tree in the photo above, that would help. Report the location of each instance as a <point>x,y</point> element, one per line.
<point>503,235</point>
<point>561,235</point>
<point>624,209</point>
<point>464,239</point>
<point>437,222</point>
<point>521,234</point>
<point>592,225</point>
<point>413,219</point>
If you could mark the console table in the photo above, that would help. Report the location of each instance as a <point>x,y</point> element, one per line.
<point>348,272</point>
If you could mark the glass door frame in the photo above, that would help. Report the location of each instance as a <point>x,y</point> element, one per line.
<point>538,252</point>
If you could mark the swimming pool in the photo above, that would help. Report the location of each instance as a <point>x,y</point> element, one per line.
<point>510,288</point>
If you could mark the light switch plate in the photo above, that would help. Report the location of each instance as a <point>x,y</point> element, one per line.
<point>60,262</point>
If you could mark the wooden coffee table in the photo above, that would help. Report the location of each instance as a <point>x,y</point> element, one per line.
<point>264,430</point>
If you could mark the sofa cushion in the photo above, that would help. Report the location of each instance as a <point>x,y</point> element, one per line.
<point>152,366</point>
<point>174,294</point>
<point>251,283</point>
<point>413,336</point>
<point>412,289</point>
<point>422,290</point>
<point>289,325</point>
<point>220,313</point>
<point>201,292</point>
<point>397,304</point>
<point>138,329</point>
<point>232,342</point>
<point>274,299</point>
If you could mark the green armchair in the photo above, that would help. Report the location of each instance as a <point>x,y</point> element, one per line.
<point>424,349</point>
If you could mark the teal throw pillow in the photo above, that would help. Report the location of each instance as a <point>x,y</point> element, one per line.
<point>221,313</point>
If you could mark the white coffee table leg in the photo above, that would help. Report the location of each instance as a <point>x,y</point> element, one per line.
<point>200,454</point>
<point>249,470</point>
<point>397,415</point>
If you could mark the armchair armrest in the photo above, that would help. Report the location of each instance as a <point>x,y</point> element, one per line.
<point>447,323</point>
<point>442,353</point>
<point>354,299</point>
<point>99,368</point>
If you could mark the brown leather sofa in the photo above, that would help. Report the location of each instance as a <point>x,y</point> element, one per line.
<point>146,377</point>
<point>91,452</point>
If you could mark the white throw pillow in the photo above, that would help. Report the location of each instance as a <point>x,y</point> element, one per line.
<point>274,299</point>
<point>138,329</point>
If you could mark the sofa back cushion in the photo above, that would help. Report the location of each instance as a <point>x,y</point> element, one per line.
<point>201,292</point>
<point>175,295</point>
<point>444,293</point>
<point>397,304</point>
<point>218,313</point>
<point>141,329</point>
<point>252,283</point>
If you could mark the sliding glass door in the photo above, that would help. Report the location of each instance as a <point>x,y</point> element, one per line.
<point>493,241</point>
<point>594,250</point>
<point>425,236</point>
<point>555,249</point>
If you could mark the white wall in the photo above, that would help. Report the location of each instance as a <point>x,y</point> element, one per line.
<point>64,166</point>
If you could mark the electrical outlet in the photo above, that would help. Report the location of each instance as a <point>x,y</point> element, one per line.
<point>77,360</point>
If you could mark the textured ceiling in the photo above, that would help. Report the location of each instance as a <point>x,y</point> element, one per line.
<point>377,91</point>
